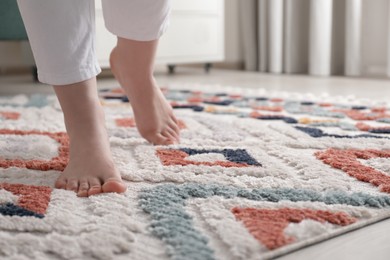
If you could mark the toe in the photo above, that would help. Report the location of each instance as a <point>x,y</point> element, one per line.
<point>114,185</point>
<point>175,134</point>
<point>168,133</point>
<point>175,127</point>
<point>83,188</point>
<point>60,183</point>
<point>159,139</point>
<point>72,184</point>
<point>95,186</point>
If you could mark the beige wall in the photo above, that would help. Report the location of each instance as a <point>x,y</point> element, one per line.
<point>375,36</point>
<point>233,45</point>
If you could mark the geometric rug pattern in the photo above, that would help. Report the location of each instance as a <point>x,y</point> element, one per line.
<point>257,175</point>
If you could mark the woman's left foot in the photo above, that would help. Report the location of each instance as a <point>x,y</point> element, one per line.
<point>153,115</point>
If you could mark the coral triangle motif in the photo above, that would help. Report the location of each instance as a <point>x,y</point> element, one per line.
<point>32,200</point>
<point>267,226</point>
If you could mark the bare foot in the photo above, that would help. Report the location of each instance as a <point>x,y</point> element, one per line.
<point>91,169</point>
<point>153,115</point>
<point>90,172</point>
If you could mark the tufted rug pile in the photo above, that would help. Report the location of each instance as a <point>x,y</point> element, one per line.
<point>258,174</point>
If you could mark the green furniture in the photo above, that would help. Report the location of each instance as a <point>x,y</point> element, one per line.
<point>11,25</point>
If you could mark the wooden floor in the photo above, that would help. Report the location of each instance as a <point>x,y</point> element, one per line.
<point>371,242</point>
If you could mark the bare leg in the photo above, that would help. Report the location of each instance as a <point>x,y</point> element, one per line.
<point>132,65</point>
<point>91,169</point>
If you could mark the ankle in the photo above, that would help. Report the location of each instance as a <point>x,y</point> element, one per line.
<point>126,72</point>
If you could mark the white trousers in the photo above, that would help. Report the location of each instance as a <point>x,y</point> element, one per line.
<point>62,32</point>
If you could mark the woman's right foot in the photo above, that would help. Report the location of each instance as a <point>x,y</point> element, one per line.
<point>91,169</point>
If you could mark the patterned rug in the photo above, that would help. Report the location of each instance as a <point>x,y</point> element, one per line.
<point>258,174</point>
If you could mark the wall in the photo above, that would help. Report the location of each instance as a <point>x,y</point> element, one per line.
<point>374,42</point>
<point>233,44</point>
<point>375,37</point>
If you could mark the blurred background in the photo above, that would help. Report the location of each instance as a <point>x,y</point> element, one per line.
<point>319,47</point>
<point>304,37</point>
